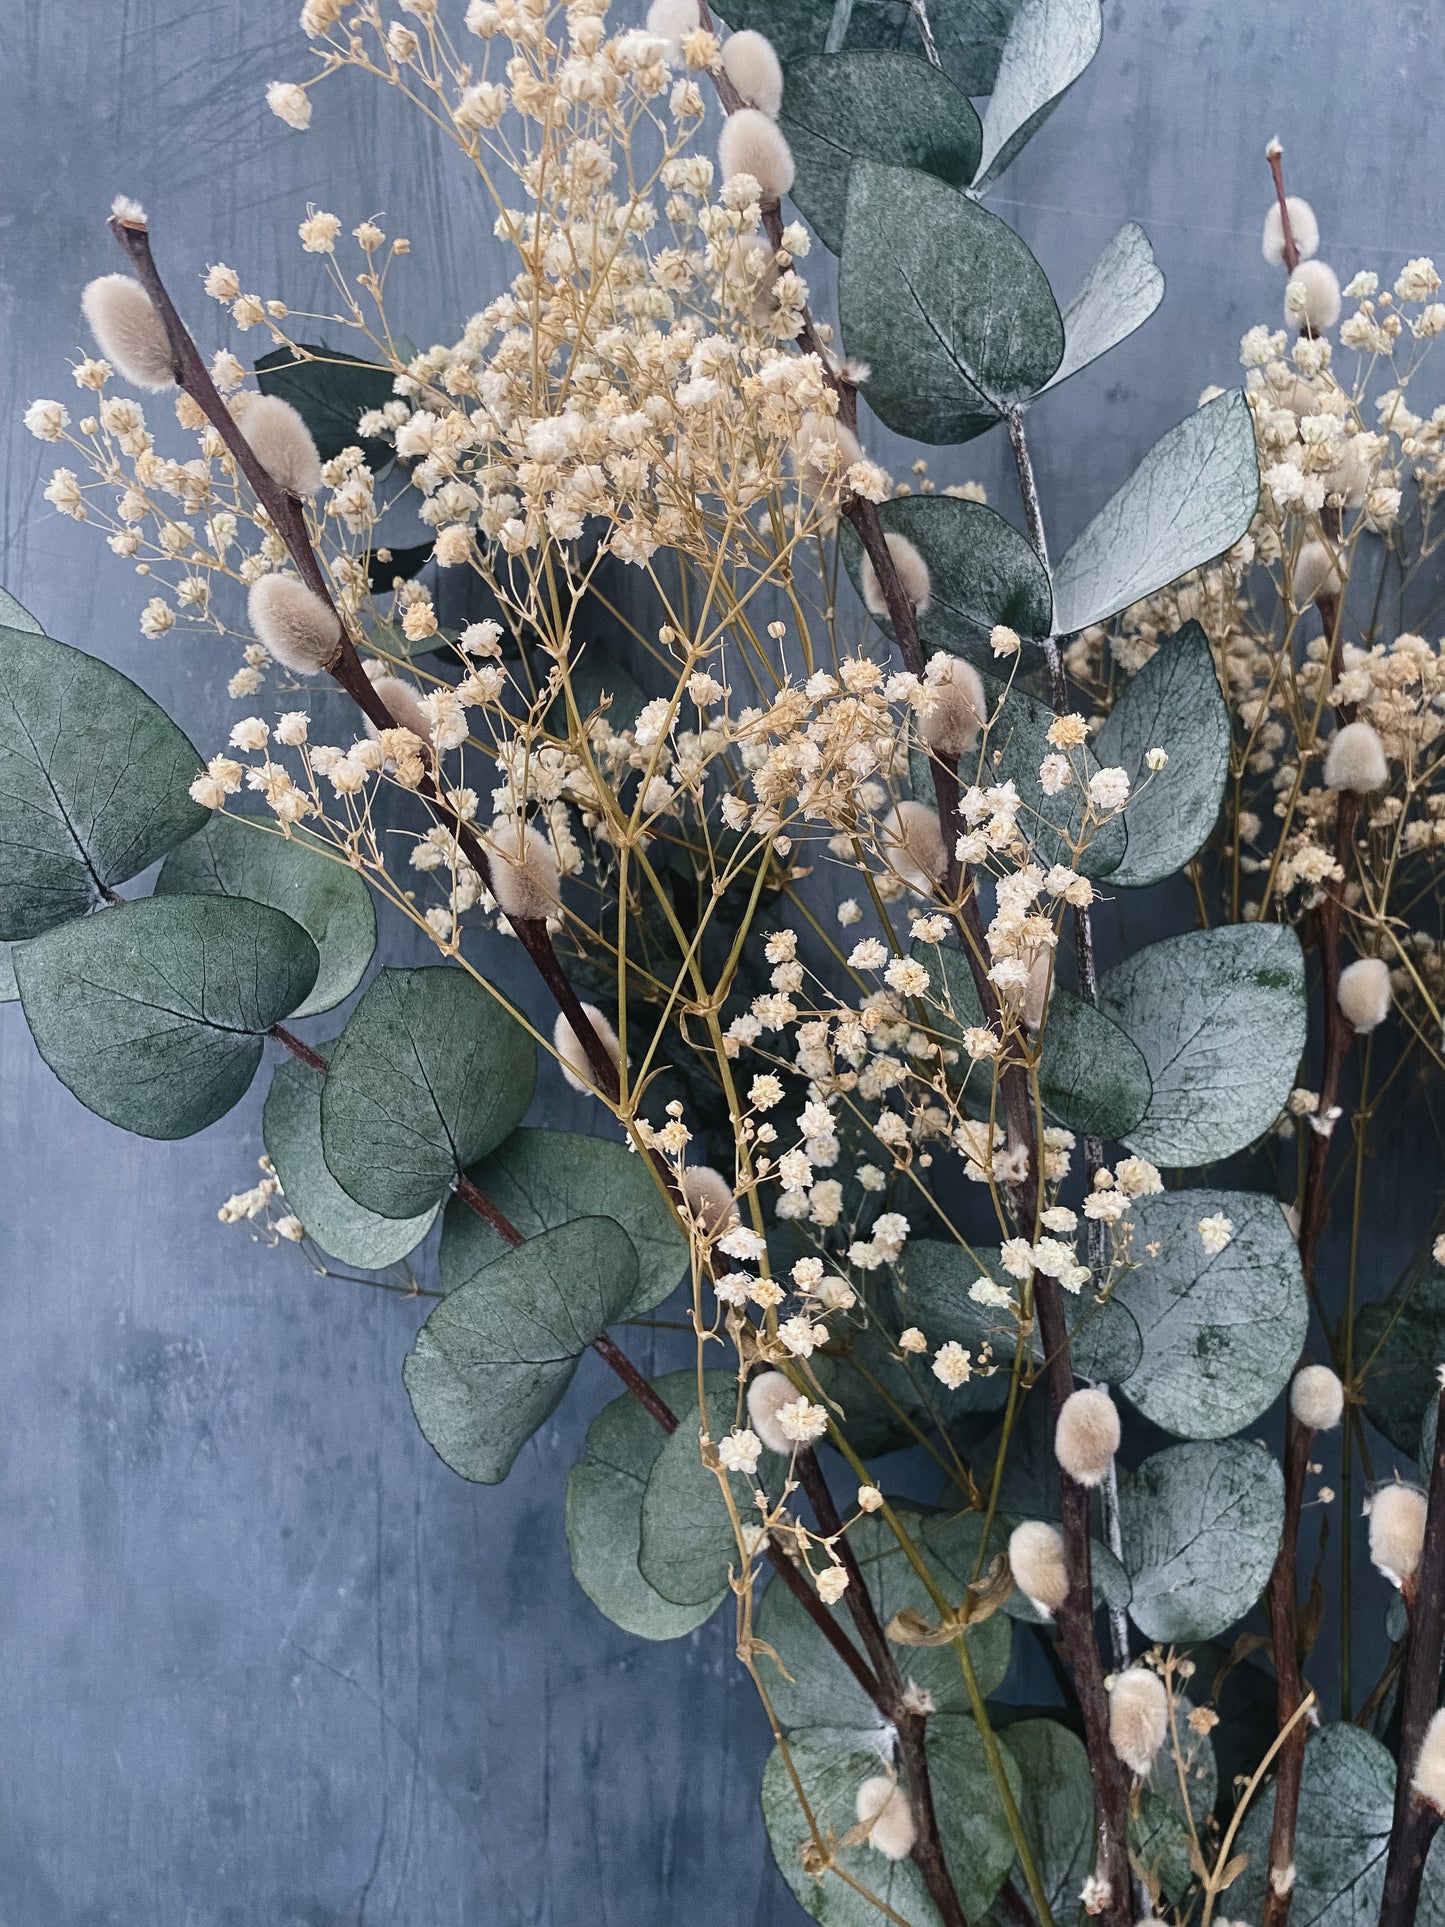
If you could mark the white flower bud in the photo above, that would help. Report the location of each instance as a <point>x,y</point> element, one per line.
<point>524,871</point>
<point>1355,759</point>
<point>882,1806</point>
<point>1036,1558</point>
<point>951,726</point>
<point>295,625</point>
<point>128,212</point>
<point>1427,1782</point>
<point>403,702</point>
<point>753,67</point>
<point>1315,574</point>
<point>1364,993</point>
<point>768,1393</point>
<point>130,333</point>
<point>750,144</point>
<point>1317,1398</point>
<point>673,21</point>
<point>282,444</point>
<point>1397,1530</point>
<point>573,1058</point>
<point>1302,225</point>
<point>1312,297</point>
<point>1138,1717</point>
<point>915,847</point>
<point>710,1200</point>
<point>913,577</point>
<point>1086,1436</point>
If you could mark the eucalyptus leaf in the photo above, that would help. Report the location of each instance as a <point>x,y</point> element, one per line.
<point>1191,498</point>
<point>600,685</point>
<point>14,616</point>
<point>1018,742</point>
<point>1222,1331</point>
<point>1120,292</point>
<point>882,1398</point>
<point>945,302</point>
<point>492,1361</point>
<point>895,108</point>
<point>429,1075</point>
<point>1056,1807</point>
<point>1092,1077</point>
<point>94,781</point>
<point>1174,704</point>
<point>932,1286</point>
<point>1050,44</point>
<point>154,1013</point>
<point>1401,1345</point>
<point>330,390</point>
<point>237,857</point>
<point>604,1514</point>
<point>1220,1018</point>
<point>1159,1844</point>
<point>538,1179</point>
<point>688,1546</point>
<point>1201,1525</point>
<point>9,989</point>
<point>969,34</point>
<point>812,1687</point>
<point>982,572</point>
<point>347,1231</point>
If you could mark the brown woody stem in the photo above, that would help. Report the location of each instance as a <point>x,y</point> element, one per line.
<point>1289,1682</point>
<point>1275,156</point>
<point>297,1048</point>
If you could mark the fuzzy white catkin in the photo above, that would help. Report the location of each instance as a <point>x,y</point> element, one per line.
<point>882,1806</point>
<point>1317,1398</point>
<point>1364,993</point>
<point>916,848</point>
<point>1312,297</point>
<point>752,65</point>
<point>768,1393</point>
<point>1397,1530</point>
<point>709,1198</point>
<point>524,871</point>
<point>913,577</point>
<point>573,1058</point>
<point>129,332</point>
<point>750,144</point>
<point>818,467</point>
<point>282,444</point>
<point>1038,990</point>
<point>403,702</point>
<point>673,20</point>
<point>1138,1717</point>
<point>1314,575</point>
<point>959,706</point>
<point>1086,1436</point>
<point>1036,1559</point>
<point>1427,1782</point>
<point>1302,225</point>
<point>296,626</point>
<point>1356,760</point>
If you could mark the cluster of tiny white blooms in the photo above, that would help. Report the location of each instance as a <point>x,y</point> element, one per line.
<point>264,1209</point>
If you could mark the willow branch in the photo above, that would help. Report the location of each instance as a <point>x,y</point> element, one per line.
<point>1289,1685</point>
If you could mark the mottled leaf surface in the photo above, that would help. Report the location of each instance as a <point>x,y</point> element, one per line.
<point>945,302</point>
<point>1191,498</point>
<point>429,1075</point>
<point>1220,1018</point>
<point>1092,1077</point>
<point>233,857</point>
<point>1400,1346</point>
<point>1120,292</point>
<point>154,1013</point>
<point>1222,1332</point>
<point>969,34</point>
<point>492,1361</point>
<point>1019,737</point>
<point>1201,1526</point>
<point>1050,44</point>
<point>94,781</point>
<point>688,1544</point>
<point>1057,1809</point>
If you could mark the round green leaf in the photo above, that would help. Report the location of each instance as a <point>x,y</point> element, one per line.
<point>493,1360</point>
<point>969,35</point>
<point>1201,1527</point>
<point>1220,1018</point>
<point>9,989</point>
<point>542,1178</point>
<point>933,1283</point>
<point>1056,1805</point>
<point>291,1127</point>
<point>1092,1077</point>
<point>1120,292</point>
<point>821,1691</point>
<point>237,857</point>
<point>1053,824</point>
<point>94,782</point>
<point>1175,704</point>
<point>1222,1332</point>
<point>429,1075</point>
<point>604,1514</point>
<point>838,108</point>
<point>687,1545</point>
<point>1049,45</point>
<point>14,616</point>
<point>945,302</point>
<point>153,1013</point>
<point>1402,1342</point>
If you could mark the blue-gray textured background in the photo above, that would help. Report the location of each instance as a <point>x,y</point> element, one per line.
<point>262,1658</point>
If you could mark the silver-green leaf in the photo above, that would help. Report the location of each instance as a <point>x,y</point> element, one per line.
<point>1220,1018</point>
<point>492,1361</point>
<point>687,1544</point>
<point>154,1013</point>
<point>1049,45</point>
<point>1056,1808</point>
<point>1201,1526</point>
<point>1191,498</point>
<point>1092,1077</point>
<point>1120,292</point>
